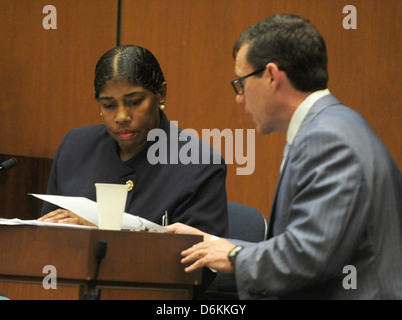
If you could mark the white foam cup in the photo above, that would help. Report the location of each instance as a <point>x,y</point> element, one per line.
<point>111,200</point>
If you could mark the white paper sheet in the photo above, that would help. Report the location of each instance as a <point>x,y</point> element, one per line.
<point>88,210</point>
<point>17,222</point>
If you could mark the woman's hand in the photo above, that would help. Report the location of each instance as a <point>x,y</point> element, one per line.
<point>64,216</point>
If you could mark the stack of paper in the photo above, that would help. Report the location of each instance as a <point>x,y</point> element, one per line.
<point>88,210</point>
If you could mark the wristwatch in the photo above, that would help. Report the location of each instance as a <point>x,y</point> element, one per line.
<point>233,254</point>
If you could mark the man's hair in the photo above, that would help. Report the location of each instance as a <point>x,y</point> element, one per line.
<point>293,44</point>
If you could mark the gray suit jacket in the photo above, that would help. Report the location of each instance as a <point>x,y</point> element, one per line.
<point>338,203</point>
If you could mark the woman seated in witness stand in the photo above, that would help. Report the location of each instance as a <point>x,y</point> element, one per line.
<point>130,89</point>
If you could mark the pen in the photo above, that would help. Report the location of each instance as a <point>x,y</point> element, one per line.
<point>165,219</point>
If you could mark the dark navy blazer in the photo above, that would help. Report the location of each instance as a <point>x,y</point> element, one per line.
<point>194,194</point>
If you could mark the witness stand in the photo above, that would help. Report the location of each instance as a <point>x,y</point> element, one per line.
<point>41,262</point>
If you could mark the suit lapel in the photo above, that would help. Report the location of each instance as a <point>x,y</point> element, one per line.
<point>320,105</point>
<point>272,214</point>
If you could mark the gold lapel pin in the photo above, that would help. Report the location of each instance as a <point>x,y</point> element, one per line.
<point>130,185</point>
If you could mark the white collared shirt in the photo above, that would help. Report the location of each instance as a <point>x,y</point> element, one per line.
<point>301,112</point>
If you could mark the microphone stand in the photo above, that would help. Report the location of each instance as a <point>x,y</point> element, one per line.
<point>94,293</point>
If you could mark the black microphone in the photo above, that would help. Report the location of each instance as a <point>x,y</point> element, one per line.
<point>95,294</point>
<point>8,164</point>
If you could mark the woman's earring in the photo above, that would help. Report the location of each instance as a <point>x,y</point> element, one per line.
<point>101,114</point>
<point>162,107</point>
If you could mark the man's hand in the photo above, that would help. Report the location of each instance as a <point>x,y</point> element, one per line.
<point>211,254</point>
<point>181,228</point>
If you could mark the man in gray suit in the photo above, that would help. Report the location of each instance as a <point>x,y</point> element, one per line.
<point>335,229</point>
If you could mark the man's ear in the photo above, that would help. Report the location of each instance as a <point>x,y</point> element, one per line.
<point>274,73</point>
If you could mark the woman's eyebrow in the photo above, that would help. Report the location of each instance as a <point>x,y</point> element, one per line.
<point>132,94</point>
<point>127,95</point>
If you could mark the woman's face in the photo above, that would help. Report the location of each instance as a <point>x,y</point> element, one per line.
<point>129,113</point>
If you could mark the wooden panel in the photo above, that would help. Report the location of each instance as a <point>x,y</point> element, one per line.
<point>156,254</point>
<point>47,75</point>
<point>41,246</point>
<point>193,42</point>
<point>30,290</point>
<point>154,270</point>
<point>141,293</point>
<point>29,176</point>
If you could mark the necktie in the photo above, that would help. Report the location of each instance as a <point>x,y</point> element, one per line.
<point>285,154</point>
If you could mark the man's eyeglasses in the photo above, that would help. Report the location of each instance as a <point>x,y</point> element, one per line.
<point>238,84</point>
